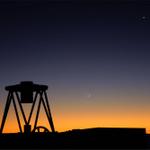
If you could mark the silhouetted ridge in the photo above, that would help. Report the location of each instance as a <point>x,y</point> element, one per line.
<point>79,138</point>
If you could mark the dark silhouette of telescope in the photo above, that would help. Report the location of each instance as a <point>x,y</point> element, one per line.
<point>28,92</point>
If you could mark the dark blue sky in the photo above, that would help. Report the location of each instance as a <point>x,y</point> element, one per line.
<point>77,48</point>
<point>69,39</point>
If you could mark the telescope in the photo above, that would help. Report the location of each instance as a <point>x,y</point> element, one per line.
<point>24,93</point>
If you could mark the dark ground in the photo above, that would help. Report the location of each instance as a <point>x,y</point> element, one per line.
<point>84,138</point>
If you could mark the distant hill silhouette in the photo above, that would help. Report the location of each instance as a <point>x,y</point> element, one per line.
<point>79,138</point>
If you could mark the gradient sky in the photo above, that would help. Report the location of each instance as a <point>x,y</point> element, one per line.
<point>94,56</point>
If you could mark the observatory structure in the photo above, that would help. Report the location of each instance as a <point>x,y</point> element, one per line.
<point>28,93</point>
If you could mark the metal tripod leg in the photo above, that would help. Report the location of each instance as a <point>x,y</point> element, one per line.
<point>17,114</point>
<point>50,116</point>
<point>21,108</point>
<point>37,115</point>
<point>31,112</point>
<point>6,111</point>
<point>46,110</point>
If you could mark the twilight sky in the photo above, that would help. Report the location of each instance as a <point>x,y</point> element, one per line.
<point>94,56</point>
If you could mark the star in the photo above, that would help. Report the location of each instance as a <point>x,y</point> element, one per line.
<point>143,17</point>
<point>89,95</point>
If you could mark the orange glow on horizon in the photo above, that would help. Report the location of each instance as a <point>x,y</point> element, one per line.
<point>91,113</point>
<point>71,121</point>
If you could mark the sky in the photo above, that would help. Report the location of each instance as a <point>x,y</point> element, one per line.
<point>93,55</point>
